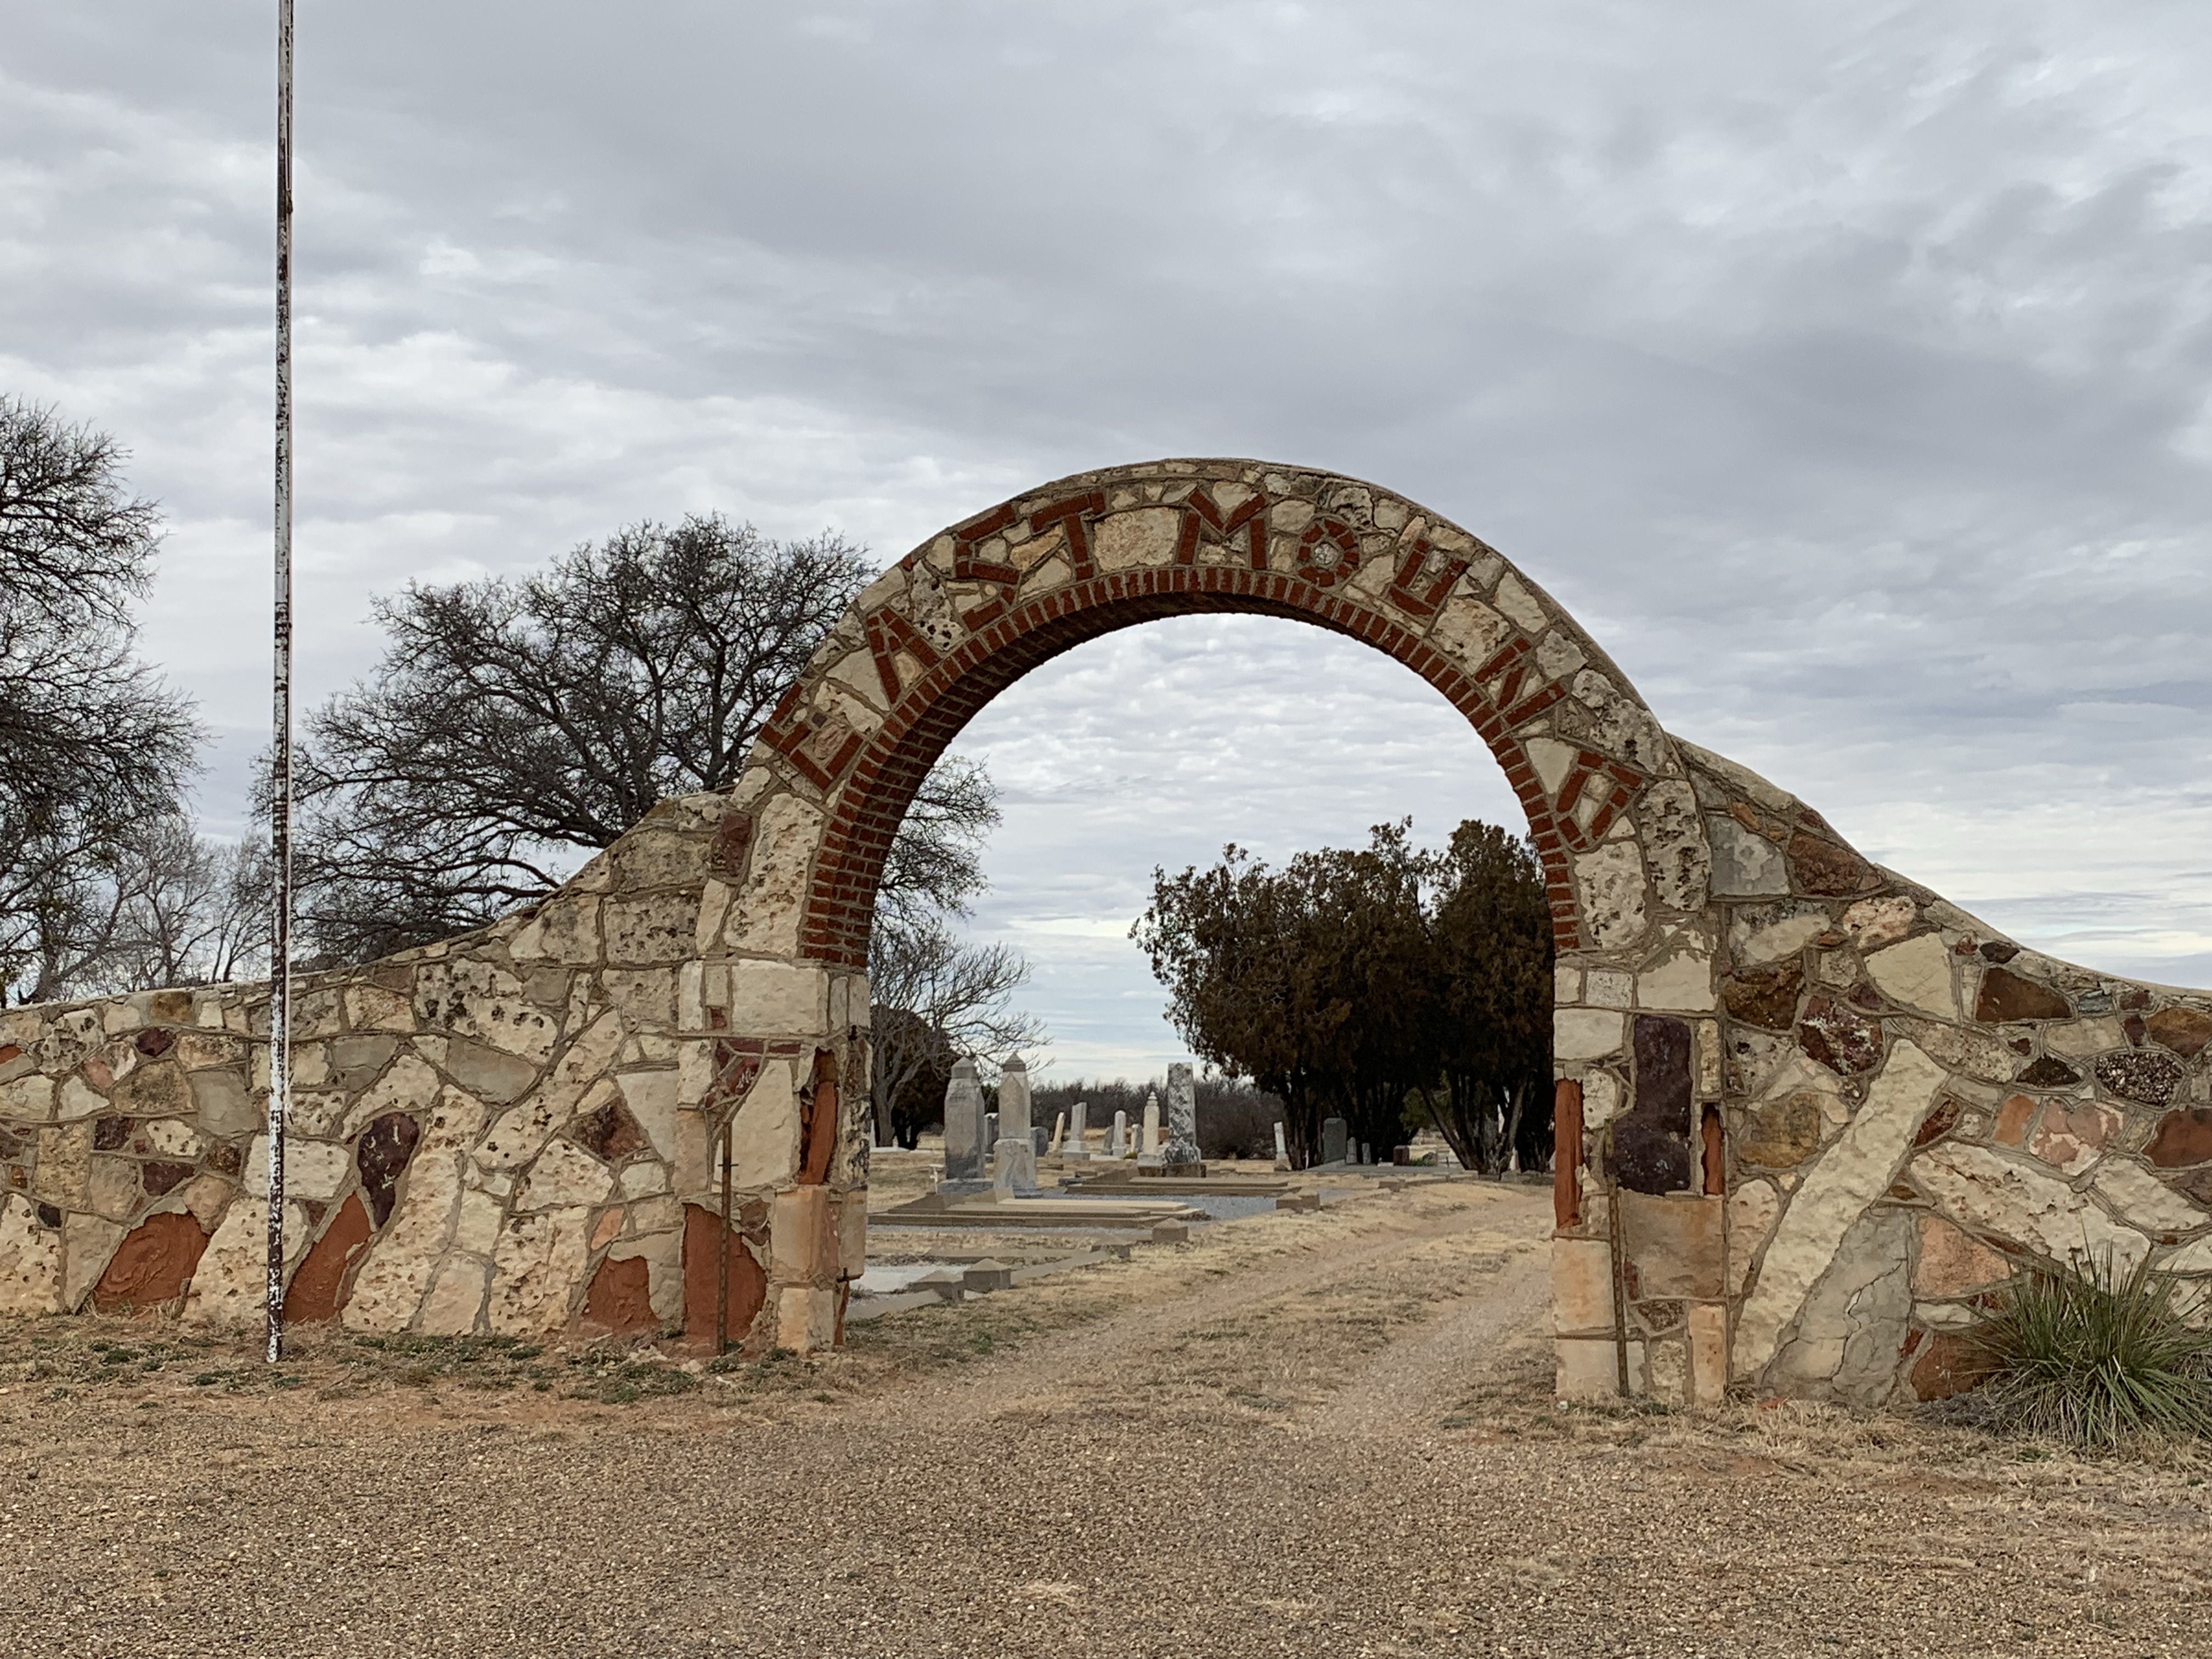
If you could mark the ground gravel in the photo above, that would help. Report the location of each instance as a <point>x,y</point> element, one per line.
<point>1300,1434</point>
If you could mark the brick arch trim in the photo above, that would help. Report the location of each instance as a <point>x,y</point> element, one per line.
<point>976,607</point>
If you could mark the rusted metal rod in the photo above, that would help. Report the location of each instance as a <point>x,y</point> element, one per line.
<point>280,770</point>
<point>722,1253</point>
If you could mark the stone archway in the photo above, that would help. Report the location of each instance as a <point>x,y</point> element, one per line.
<point>1610,801</point>
<point>1808,1110</point>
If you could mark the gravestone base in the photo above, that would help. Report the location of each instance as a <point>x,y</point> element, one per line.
<point>1176,1171</point>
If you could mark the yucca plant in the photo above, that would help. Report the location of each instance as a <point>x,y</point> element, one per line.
<point>2094,1354</point>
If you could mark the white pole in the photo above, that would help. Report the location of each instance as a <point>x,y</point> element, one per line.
<point>280,814</point>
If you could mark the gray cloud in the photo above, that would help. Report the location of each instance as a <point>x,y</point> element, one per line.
<point>1845,373</point>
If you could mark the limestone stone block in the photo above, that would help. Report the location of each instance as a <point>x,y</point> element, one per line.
<point>78,1099</point>
<point>1588,1368</point>
<point>1709,1371</point>
<point>2084,1039</point>
<point>467,996</point>
<point>1972,1049</point>
<point>30,1258</point>
<point>112,1187</point>
<point>1674,1243</point>
<point>199,1051</point>
<point>1918,974</point>
<point>2010,1197</point>
<point>1611,988</point>
<point>1752,1210</point>
<point>172,1139</point>
<point>223,1106</point>
<point>375,1008</point>
<point>641,929</point>
<point>1681,980</point>
<point>1762,933</point>
<point>1674,843</point>
<point>1581,1284</point>
<point>1876,922</point>
<point>1849,1334</point>
<point>643,1176</point>
<point>454,1305</point>
<point>1855,1169</point>
<point>2073,1134</point>
<point>517,1135</point>
<point>646,996</point>
<point>764,1142</point>
<point>313,1169</point>
<point>852,1233</point>
<point>564,1175</point>
<point>805,1318</point>
<point>1586,1033</point>
<point>204,1197</point>
<point>650,1097</point>
<point>1746,865</point>
<point>1611,883</point>
<point>1602,1098</point>
<point>477,1222</point>
<point>230,1286</point>
<point>802,1236</point>
<point>484,1071</point>
<point>2141,1199</point>
<point>779,998</point>
<point>1954,1262</point>
<point>766,911</point>
<point>64,1164</point>
<point>538,1268</point>
<point>29,1099</point>
<point>389,1287</point>
<point>87,1242</point>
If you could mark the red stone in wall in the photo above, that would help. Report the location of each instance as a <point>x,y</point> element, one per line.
<point>703,1241</point>
<point>620,1299</point>
<point>318,1291</point>
<point>152,1266</point>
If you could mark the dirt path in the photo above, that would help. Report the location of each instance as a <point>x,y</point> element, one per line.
<point>1322,1434</point>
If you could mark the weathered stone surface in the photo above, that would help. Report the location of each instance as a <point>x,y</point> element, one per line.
<point>317,1291</point>
<point>1586,1033</point>
<point>537,1267</point>
<point>1675,846</point>
<point>1761,933</point>
<point>1840,1037</point>
<point>1954,1262</point>
<point>1917,973</point>
<point>1948,1365</point>
<point>620,1299</point>
<point>30,1258</point>
<point>1680,976</point>
<point>2143,1074</point>
<point>2141,1199</point>
<point>455,1302</point>
<point>153,1264</point>
<point>1745,865</point>
<point>610,1133</point>
<point>1765,997</point>
<point>1847,1337</point>
<point>2183,1136</point>
<point>765,1137</point>
<point>156,1089</point>
<point>651,1098</point>
<point>230,1286</point>
<point>223,1107</point>
<point>517,1135</point>
<point>2048,1073</point>
<point>2072,1136</point>
<point>484,1071</point>
<point>1827,869</point>
<point>2184,1030</point>
<point>564,1175</point>
<point>2006,996</point>
<point>1650,1142</point>
<point>1581,1284</point>
<point>313,1169</point>
<point>1780,1135</point>
<point>2011,1199</point>
<point>1611,880</point>
<point>1855,1170</point>
<point>389,1285</point>
<point>468,996</point>
<point>1673,1244</point>
<point>704,1243</point>
<point>380,1154</point>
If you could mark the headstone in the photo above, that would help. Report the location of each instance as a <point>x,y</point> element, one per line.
<point>1366,1153</point>
<point>1282,1148</point>
<point>1148,1148</point>
<point>1181,1150</point>
<point>1335,1138</point>
<point>1075,1149</point>
<point>1040,1139</point>
<point>1016,1150</point>
<point>1402,1155</point>
<point>1058,1141</point>
<point>1117,1140</point>
<point>963,1130</point>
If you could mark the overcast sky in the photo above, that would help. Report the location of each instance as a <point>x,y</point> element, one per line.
<point>1843,369</point>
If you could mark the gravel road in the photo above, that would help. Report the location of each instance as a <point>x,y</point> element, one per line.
<point>1322,1434</point>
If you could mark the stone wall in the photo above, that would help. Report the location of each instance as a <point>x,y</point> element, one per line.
<point>1809,1110</point>
<point>509,1132</point>
<point>1910,1107</point>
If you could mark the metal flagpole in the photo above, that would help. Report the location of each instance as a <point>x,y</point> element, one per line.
<point>280,811</point>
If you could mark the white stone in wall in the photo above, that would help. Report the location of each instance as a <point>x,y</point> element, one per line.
<point>1918,974</point>
<point>517,1135</point>
<point>29,1099</point>
<point>1855,1169</point>
<point>538,1268</point>
<point>230,1286</point>
<point>1468,631</point>
<point>1681,979</point>
<point>313,1169</point>
<point>1674,845</point>
<point>1552,760</point>
<point>778,998</point>
<point>388,1290</point>
<point>2013,1199</point>
<point>1518,604</point>
<point>650,1097</point>
<point>456,1297</point>
<point>564,1175</point>
<point>769,909</point>
<point>1752,1210</point>
<point>2084,1039</point>
<point>1875,922</point>
<point>1611,880</point>
<point>477,1220</point>
<point>1144,537</point>
<point>466,996</point>
<point>764,1144</point>
<point>1585,1033</point>
<point>30,1260</point>
<point>1780,930</point>
<point>1600,1099</point>
<point>2141,1199</point>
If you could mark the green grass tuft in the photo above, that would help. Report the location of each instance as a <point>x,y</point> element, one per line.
<point>2094,1356</point>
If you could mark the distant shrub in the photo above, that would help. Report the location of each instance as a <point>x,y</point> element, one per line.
<point>2094,1356</point>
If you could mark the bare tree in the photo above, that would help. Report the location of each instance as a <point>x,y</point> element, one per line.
<point>513,722</point>
<point>91,742</point>
<point>935,995</point>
